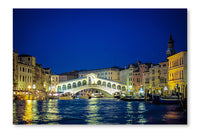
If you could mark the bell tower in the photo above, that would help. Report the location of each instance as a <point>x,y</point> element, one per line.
<point>170,51</point>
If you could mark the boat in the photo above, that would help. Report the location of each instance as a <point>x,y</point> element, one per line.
<point>84,97</point>
<point>169,101</point>
<point>166,100</point>
<point>65,98</point>
<point>132,98</point>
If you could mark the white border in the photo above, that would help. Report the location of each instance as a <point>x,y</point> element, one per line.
<point>6,62</point>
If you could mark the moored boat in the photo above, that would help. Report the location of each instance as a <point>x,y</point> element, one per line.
<point>65,98</point>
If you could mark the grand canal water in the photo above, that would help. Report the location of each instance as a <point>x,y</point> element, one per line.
<point>95,111</point>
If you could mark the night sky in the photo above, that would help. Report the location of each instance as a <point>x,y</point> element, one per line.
<point>75,39</point>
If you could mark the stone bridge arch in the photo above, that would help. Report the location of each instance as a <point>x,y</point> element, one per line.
<point>91,81</point>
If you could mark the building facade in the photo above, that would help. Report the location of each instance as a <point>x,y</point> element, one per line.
<point>56,79</point>
<point>154,74</point>
<point>28,76</point>
<point>123,75</point>
<point>164,76</point>
<point>112,73</point>
<point>15,70</point>
<point>54,82</point>
<point>138,75</point>
<point>177,74</point>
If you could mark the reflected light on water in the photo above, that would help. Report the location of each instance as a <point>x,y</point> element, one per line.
<point>141,109</point>
<point>171,116</point>
<point>28,114</point>
<point>52,109</point>
<point>93,117</point>
<point>130,116</point>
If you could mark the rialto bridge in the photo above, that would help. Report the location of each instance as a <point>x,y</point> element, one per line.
<point>91,82</point>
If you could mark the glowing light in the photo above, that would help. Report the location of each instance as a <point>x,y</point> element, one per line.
<point>165,88</point>
<point>29,87</point>
<point>28,115</point>
<point>56,94</point>
<point>141,90</point>
<point>34,86</point>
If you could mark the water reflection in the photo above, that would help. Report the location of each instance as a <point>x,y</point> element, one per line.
<point>93,117</point>
<point>53,112</point>
<point>28,114</point>
<point>171,116</point>
<point>94,111</point>
<point>130,116</point>
<point>141,110</point>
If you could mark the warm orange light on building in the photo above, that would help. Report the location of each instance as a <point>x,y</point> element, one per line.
<point>177,75</point>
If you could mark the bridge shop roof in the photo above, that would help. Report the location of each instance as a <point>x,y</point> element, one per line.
<point>73,79</point>
<point>113,81</point>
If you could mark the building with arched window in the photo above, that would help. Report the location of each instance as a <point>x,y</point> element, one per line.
<point>177,75</point>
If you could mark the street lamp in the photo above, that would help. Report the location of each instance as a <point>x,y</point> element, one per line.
<point>34,86</point>
<point>29,87</point>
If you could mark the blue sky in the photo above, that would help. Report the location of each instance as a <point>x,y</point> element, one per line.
<point>75,39</point>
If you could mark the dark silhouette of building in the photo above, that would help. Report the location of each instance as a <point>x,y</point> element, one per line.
<point>170,51</point>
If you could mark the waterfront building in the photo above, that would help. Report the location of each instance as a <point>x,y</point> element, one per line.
<point>138,75</point>
<point>25,67</point>
<point>29,77</point>
<point>15,70</point>
<point>146,80</point>
<point>25,77</point>
<point>68,76</point>
<point>154,74</point>
<point>54,82</point>
<point>55,79</point>
<point>130,70</point>
<point>163,66</point>
<point>123,75</point>
<point>112,73</point>
<point>177,80</point>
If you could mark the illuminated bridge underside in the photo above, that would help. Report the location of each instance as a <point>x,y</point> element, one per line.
<point>90,82</point>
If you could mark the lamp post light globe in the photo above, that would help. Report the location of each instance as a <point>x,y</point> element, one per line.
<point>29,87</point>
